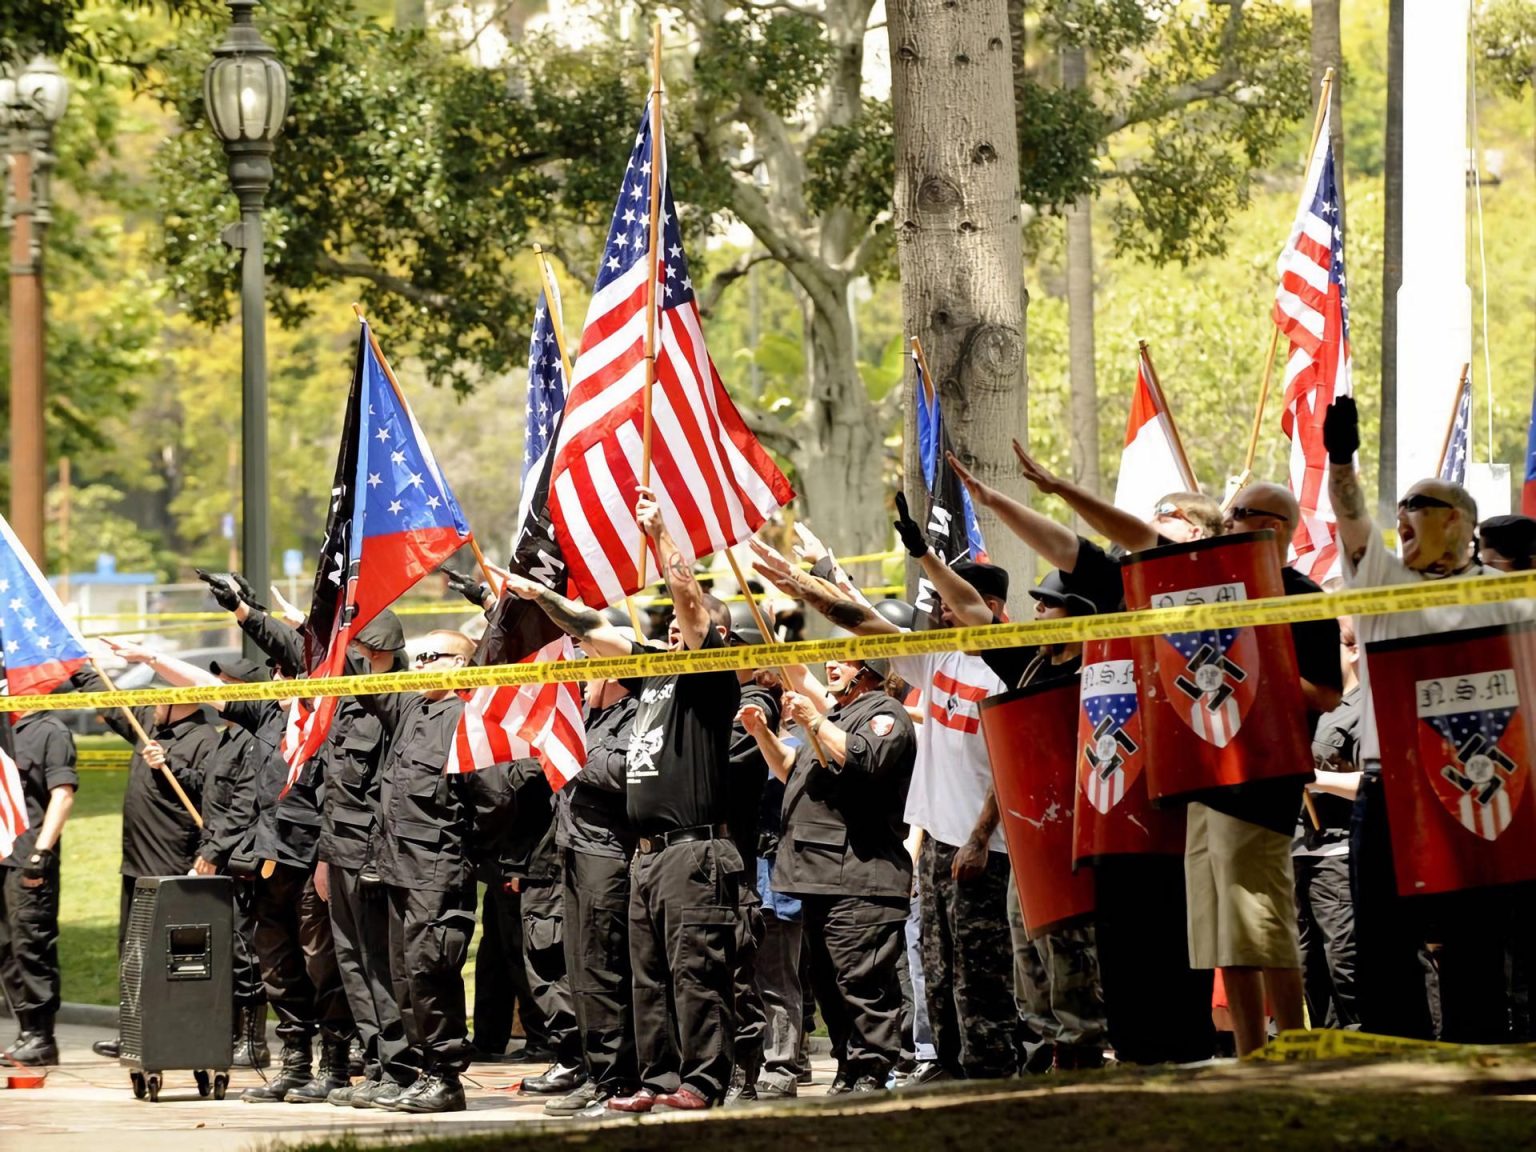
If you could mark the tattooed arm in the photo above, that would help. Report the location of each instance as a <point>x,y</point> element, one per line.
<point>585,626</point>
<point>850,614</point>
<point>1355,524</point>
<point>687,597</point>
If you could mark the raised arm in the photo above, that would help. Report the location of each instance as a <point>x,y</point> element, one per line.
<point>584,625</point>
<point>1341,436</point>
<point>787,578</point>
<point>175,672</point>
<point>965,603</point>
<point>779,755</point>
<point>1056,542</point>
<point>687,597</point>
<point>1121,527</point>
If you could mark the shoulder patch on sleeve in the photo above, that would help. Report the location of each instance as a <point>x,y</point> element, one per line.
<point>882,725</point>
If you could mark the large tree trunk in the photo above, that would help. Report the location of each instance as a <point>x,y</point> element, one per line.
<point>1391,268</point>
<point>1327,53</point>
<point>957,227</point>
<point>1080,367</point>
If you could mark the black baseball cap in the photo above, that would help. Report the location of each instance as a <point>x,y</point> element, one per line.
<point>988,579</point>
<point>238,668</point>
<point>1513,536</point>
<point>1053,590</point>
<point>383,633</point>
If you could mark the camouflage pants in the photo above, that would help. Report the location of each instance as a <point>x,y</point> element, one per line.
<point>1056,981</point>
<point>965,965</point>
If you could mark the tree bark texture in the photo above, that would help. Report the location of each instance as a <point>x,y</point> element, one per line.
<point>958,238</point>
<point>1391,267</point>
<point>1082,384</point>
<point>1328,52</point>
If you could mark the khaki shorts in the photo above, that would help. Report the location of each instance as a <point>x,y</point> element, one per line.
<point>1241,892</point>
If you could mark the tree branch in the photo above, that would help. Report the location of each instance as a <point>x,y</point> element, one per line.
<point>810,272</point>
<point>773,434</point>
<point>1219,83</point>
<point>784,6</point>
<point>328,265</point>
<point>722,280</point>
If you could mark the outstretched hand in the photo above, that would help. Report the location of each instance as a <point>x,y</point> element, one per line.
<point>982,495</point>
<point>467,586</point>
<point>913,538</point>
<point>808,546</point>
<point>1341,430</point>
<point>226,594</point>
<point>1035,472</point>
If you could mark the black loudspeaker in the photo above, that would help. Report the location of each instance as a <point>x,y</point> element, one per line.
<point>176,982</point>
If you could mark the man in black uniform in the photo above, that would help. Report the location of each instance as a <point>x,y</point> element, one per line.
<point>593,834</point>
<point>426,817</point>
<point>29,894</point>
<point>293,928</point>
<point>160,837</point>
<point>345,877</point>
<point>686,878</point>
<point>842,852</point>
<point>229,812</point>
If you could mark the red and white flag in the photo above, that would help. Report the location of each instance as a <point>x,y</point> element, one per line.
<point>1151,464</point>
<point>1312,312</point>
<point>715,483</point>
<point>13,801</point>
<point>512,722</point>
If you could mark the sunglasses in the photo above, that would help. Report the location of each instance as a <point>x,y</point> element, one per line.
<point>432,657</point>
<point>1418,502</point>
<point>1241,513</point>
<point>1166,509</point>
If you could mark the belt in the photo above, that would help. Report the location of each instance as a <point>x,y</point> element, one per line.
<point>649,844</point>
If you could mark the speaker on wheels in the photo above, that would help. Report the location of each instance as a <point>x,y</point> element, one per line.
<point>176,982</point>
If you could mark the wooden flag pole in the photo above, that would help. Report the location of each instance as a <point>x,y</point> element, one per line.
<point>652,260</point>
<point>770,638</point>
<point>138,729</point>
<point>557,325</point>
<point>389,374</point>
<point>922,362</point>
<point>1161,402</point>
<point>1450,427</point>
<point>1325,93</point>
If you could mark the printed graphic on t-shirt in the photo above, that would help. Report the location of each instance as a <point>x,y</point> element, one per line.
<point>955,704</point>
<point>640,760</point>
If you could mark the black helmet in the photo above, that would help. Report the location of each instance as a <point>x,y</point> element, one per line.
<point>898,612</point>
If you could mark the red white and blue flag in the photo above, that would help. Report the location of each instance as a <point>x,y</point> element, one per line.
<point>1312,312</point>
<point>1458,445</point>
<point>41,649</point>
<point>1528,490</point>
<point>543,721</point>
<point>393,519</point>
<point>13,800</point>
<point>715,483</point>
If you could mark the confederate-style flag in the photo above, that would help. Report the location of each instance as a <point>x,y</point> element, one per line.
<point>393,519</point>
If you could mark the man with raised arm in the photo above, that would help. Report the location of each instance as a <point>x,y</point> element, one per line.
<point>963,864</point>
<point>687,873</point>
<point>1436,524</point>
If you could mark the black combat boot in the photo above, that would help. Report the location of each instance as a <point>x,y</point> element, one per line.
<point>331,1075</point>
<point>37,1049</point>
<point>251,1049</point>
<point>292,1073</point>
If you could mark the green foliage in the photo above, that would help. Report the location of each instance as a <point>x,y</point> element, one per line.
<point>1059,134</point>
<point>853,166</point>
<point>780,57</point>
<point>1506,39</point>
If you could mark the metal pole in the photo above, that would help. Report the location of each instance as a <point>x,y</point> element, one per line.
<point>28,454</point>
<point>253,397</point>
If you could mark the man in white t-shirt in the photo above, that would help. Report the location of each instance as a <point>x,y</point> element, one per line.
<point>963,864</point>
<point>1436,522</point>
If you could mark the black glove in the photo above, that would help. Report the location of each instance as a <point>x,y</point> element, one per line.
<point>1341,430</point>
<point>247,593</point>
<point>225,593</point>
<point>912,537</point>
<point>37,865</point>
<point>467,586</point>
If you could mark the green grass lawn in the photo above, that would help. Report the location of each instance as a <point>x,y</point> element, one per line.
<point>93,841</point>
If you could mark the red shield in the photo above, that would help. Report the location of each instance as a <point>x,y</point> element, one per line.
<point>1031,739</point>
<point>1221,707</point>
<point>1113,814</point>
<point>1456,756</point>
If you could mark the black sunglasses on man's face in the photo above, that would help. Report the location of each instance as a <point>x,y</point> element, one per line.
<point>1418,502</point>
<point>1241,513</point>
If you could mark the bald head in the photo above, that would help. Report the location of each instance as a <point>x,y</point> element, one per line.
<point>1263,505</point>
<point>451,642</point>
<point>1436,522</point>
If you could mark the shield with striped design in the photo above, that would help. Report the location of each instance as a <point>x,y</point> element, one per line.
<point>1109,728</point>
<point>1472,744</point>
<point>1212,677</point>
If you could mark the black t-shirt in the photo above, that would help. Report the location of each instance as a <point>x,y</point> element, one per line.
<point>675,773</point>
<point>1335,748</point>
<point>45,757</point>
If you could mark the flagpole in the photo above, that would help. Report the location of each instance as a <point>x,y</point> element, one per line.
<point>138,729</point>
<point>389,374</point>
<point>1324,94</point>
<point>922,362</point>
<point>557,326</point>
<point>1450,428</point>
<point>1161,403</point>
<point>770,638</point>
<point>651,261</point>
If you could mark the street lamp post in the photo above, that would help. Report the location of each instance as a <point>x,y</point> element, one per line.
<point>32,101</point>
<point>245,91</point>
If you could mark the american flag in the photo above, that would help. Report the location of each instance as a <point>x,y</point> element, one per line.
<point>41,649</point>
<point>1312,312</point>
<point>13,801</point>
<point>534,720</point>
<point>1453,466</point>
<point>393,519</point>
<point>715,483</point>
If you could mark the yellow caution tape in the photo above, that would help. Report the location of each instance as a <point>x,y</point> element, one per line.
<point>1333,1044</point>
<point>1072,630</point>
